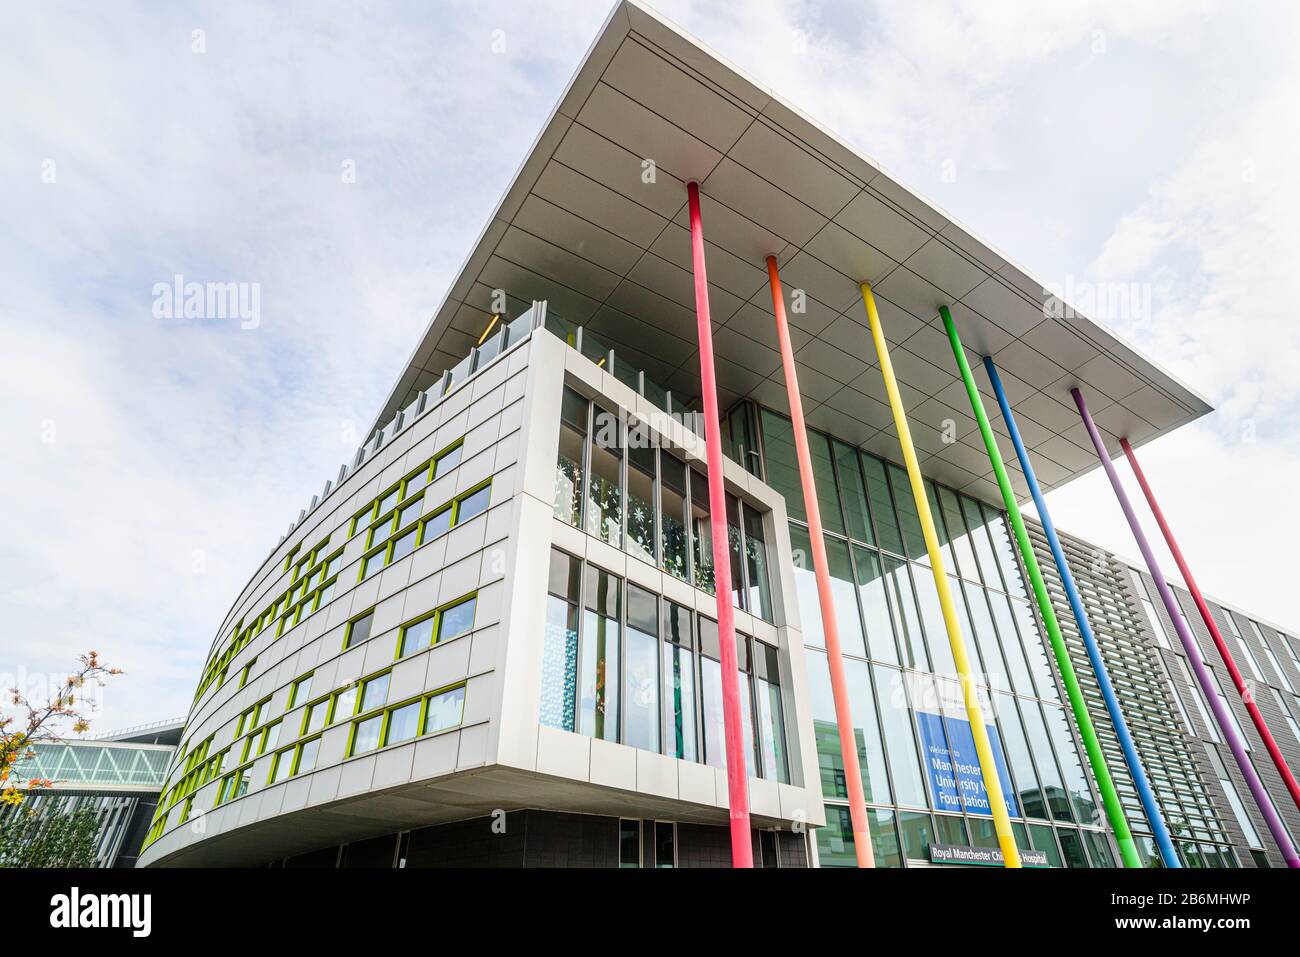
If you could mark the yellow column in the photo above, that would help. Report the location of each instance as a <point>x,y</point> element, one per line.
<point>974,714</point>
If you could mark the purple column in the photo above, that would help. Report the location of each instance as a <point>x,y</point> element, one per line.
<point>1225,722</point>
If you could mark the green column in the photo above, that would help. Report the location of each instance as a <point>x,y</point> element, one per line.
<point>1114,812</point>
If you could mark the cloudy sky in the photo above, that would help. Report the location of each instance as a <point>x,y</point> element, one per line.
<point>148,464</point>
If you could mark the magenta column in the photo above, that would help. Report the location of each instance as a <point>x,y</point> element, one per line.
<point>742,848</point>
<point>1226,724</point>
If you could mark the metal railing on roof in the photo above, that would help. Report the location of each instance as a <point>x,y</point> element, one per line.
<point>135,729</point>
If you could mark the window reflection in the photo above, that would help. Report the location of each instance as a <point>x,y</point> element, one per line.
<point>605,508</point>
<point>569,466</point>
<point>598,663</point>
<point>673,484</point>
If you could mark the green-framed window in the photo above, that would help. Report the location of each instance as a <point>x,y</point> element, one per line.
<point>374,691</point>
<point>442,624</point>
<point>411,523</point>
<point>300,691</point>
<point>395,504</point>
<point>359,629</point>
<point>343,703</point>
<point>315,716</point>
<point>297,759</point>
<point>429,713</point>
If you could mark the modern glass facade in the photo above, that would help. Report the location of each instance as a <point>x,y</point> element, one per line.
<point>623,663</point>
<point>900,669</point>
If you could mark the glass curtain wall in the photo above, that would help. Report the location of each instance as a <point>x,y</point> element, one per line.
<point>895,645</point>
<point>612,481</point>
<point>640,669</point>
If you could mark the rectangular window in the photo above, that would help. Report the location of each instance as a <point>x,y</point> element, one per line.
<point>358,630</point>
<point>307,752</point>
<point>300,692</point>
<point>437,524</point>
<point>673,499</point>
<point>907,620</point>
<point>375,692</point>
<point>344,704</point>
<point>909,519</point>
<point>782,464</point>
<point>701,534</point>
<point>371,564</point>
<point>1227,706</point>
<point>1245,648</point>
<point>843,592</point>
<point>403,545</point>
<point>281,766</point>
<point>774,763</point>
<point>605,475</point>
<point>715,748</point>
<point>1287,715</point>
<point>365,734</point>
<point>410,512</point>
<point>641,499</point>
<point>569,468</point>
<point>403,723</point>
<point>641,671</point>
<point>828,499</point>
<point>270,736</point>
<point>457,618</point>
<point>599,653</point>
<point>560,644</point>
<point>1234,799</point>
<point>665,844</point>
<point>679,683</point>
<point>759,601</point>
<point>445,709</point>
<point>1005,552</point>
<point>1198,698</point>
<point>854,491</point>
<point>442,624</point>
<point>417,635</point>
<point>629,843</point>
<point>446,461</point>
<point>473,503</point>
<point>1148,606</point>
<point>1272,659</point>
<point>733,551</point>
<point>315,717</point>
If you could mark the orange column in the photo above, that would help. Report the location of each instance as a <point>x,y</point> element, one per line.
<point>839,691</point>
<point>742,849</point>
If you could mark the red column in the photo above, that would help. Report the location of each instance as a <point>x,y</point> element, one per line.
<point>830,627</point>
<point>1283,770</point>
<point>742,850</point>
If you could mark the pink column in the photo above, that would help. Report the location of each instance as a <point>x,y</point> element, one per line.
<point>835,660</point>
<point>742,849</point>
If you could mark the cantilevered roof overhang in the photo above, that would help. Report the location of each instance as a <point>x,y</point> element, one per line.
<point>585,227</point>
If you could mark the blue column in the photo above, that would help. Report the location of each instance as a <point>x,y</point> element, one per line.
<point>1167,852</point>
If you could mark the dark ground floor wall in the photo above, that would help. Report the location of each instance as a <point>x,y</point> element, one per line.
<point>552,839</point>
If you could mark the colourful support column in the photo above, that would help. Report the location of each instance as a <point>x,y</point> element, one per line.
<point>988,768</point>
<point>1226,726</point>
<point>742,849</point>
<point>1237,680</point>
<point>1138,773</point>
<point>1083,720</point>
<point>830,627</point>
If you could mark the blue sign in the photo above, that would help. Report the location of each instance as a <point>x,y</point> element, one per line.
<point>953,769</point>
